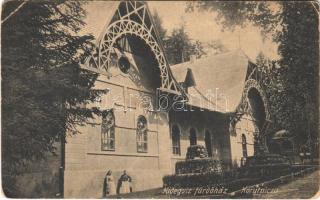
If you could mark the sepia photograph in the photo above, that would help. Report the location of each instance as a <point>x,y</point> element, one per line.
<point>160,99</point>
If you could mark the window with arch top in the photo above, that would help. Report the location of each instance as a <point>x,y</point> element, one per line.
<point>108,130</point>
<point>175,134</point>
<point>244,145</point>
<point>193,137</point>
<point>142,134</point>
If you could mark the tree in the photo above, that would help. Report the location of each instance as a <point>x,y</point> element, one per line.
<point>299,48</point>
<point>43,86</point>
<point>214,47</point>
<point>272,83</point>
<point>294,25</point>
<point>158,23</point>
<point>179,47</point>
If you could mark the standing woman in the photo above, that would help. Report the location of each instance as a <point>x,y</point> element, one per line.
<point>125,180</point>
<point>109,187</point>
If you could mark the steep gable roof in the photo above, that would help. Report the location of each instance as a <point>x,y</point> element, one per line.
<point>131,18</point>
<point>219,80</point>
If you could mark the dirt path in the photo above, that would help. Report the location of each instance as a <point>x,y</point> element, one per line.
<point>300,188</point>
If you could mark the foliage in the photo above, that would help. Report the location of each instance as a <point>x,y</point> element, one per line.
<point>198,165</point>
<point>179,47</point>
<point>196,179</point>
<point>158,23</point>
<point>267,160</point>
<point>214,47</point>
<point>300,51</point>
<point>43,86</point>
<point>239,13</point>
<point>198,151</point>
<point>292,81</point>
<point>257,169</point>
<point>232,179</point>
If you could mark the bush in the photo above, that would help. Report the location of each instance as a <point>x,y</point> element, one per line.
<point>196,151</point>
<point>198,179</point>
<point>198,166</point>
<point>207,172</point>
<point>267,159</point>
<point>232,179</point>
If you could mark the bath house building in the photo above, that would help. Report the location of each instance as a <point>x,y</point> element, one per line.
<point>153,111</point>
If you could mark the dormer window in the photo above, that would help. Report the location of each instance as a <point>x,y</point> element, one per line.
<point>189,80</point>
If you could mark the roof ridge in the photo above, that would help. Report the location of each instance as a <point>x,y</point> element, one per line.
<point>210,56</point>
<point>221,75</point>
<point>244,53</point>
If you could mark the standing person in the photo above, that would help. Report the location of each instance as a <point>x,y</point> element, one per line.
<point>109,187</point>
<point>302,153</point>
<point>125,180</point>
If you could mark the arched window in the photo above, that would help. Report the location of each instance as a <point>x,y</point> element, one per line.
<point>244,145</point>
<point>208,142</point>
<point>108,131</point>
<point>175,132</point>
<point>193,136</point>
<point>142,134</point>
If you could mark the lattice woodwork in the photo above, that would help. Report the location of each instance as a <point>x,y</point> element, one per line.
<point>244,106</point>
<point>133,18</point>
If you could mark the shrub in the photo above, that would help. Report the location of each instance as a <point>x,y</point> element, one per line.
<point>198,166</point>
<point>198,179</point>
<point>196,151</point>
<point>233,179</point>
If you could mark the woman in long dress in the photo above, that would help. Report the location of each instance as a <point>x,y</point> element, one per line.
<point>109,186</point>
<point>125,180</point>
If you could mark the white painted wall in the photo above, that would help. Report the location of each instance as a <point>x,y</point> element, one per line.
<point>244,126</point>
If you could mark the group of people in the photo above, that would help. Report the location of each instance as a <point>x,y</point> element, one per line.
<point>123,186</point>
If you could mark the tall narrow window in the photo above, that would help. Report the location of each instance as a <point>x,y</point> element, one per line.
<point>108,131</point>
<point>193,136</point>
<point>208,142</point>
<point>175,140</point>
<point>142,134</point>
<point>244,146</point>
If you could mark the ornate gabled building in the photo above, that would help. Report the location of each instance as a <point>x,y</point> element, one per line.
<point>230,109</point>
<point>153,112</point>
<point>132,135</point>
